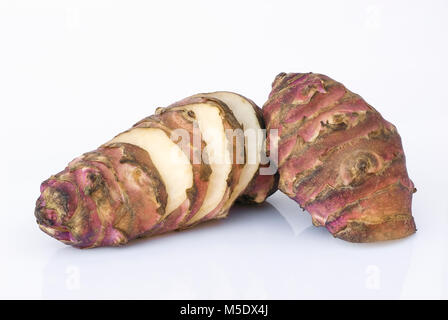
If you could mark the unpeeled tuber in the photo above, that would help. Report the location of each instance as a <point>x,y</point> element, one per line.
<point>339,159</point>
<point>160,175</point>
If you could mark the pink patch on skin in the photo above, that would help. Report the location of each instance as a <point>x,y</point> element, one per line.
<point>64,236</point>
<point>270,113</point>
<point>93,231</point>
<point>332,96</point>
<point>310,130</point>
<point>113,237</point>
<point>285,148</point>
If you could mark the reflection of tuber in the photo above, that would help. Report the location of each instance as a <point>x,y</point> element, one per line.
<point>339,159</point>
<point>143,182</point>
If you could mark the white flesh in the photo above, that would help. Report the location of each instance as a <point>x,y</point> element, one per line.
<point>212,131</point>
<point>173,165</point>
<point>245,114</point>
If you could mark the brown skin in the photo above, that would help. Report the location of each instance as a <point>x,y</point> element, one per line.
<point>339,159</point>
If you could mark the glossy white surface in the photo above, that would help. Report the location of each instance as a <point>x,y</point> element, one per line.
<point>72,75</point>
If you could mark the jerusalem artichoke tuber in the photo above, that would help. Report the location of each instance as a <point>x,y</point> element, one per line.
<point>158,176</point>
<point>339,159</point>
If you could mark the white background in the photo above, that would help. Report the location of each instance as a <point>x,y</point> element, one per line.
<point>75,73</point>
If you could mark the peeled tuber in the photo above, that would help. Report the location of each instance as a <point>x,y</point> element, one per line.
<point>170,171</point>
